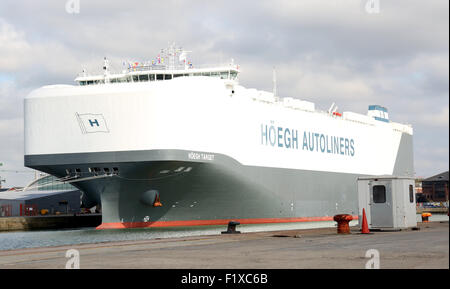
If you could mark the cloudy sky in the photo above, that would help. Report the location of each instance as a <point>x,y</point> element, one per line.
<point>392,52</point>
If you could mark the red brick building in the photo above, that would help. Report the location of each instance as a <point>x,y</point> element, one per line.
<point>435,188</point>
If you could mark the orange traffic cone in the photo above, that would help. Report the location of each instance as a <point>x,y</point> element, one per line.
<point>365,226</point>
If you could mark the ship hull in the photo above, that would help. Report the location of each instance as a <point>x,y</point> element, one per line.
<point>211,153</point>
<point>205,192</point>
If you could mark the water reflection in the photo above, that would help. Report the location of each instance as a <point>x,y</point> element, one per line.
<point>16,240</point>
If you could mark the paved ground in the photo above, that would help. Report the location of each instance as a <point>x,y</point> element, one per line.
<point>315,248</point>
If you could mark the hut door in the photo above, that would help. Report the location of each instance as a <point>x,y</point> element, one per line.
<point>381,212</point>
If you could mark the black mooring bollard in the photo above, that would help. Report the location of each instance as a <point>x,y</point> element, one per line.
<point>232,228</point>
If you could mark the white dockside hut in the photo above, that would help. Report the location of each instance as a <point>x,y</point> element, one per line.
<point>389,202</point>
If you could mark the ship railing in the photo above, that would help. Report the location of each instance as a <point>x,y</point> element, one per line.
<point>147,67</point>
<point>162,67</point>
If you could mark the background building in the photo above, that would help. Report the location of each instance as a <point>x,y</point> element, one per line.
<point>435,188</point>
<point>45,193</point>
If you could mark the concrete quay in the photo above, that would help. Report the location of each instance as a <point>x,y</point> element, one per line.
<point>427,248</point>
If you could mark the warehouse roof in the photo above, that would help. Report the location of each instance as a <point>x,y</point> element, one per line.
<point>32,194</point>
<point>440,177</point>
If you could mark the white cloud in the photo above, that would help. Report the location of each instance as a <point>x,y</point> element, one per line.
<point>14,50</point>
<point>438,119</point>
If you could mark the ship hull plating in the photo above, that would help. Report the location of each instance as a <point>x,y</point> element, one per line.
<point>205,192</point>
<point>211,149</point>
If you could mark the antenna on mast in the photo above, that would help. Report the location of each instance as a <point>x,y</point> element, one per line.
<point>106,69</point>
<point>333,108</point>
<point>275,84</point>
<point>183,58</point>
<point>171,51</point>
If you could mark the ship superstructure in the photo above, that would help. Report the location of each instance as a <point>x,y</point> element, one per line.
<point>171,63</point>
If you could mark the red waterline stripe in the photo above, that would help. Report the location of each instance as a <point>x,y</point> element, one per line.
<point>212,222</point>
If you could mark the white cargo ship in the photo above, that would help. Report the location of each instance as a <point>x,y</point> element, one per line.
<point>165,143</point>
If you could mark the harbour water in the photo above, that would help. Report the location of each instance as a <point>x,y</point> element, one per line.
<point>33,239</point>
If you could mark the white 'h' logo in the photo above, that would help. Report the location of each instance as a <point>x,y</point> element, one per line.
<point>92,122</point>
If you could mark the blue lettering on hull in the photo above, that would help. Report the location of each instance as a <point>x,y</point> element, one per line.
<point>287,138</point>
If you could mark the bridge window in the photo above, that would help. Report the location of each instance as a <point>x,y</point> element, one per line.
<point>224,74</point>
<point>159,76</point>
<point>143,77</point>
<point>177,75</point>
<point>135,78</point>
<point>168,76</point>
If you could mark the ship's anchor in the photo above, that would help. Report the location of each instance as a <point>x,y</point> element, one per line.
<point>157,202</point>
